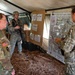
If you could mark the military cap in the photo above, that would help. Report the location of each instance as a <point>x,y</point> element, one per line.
<point>15,12</point>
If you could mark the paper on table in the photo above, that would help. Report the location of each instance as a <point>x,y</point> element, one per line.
<point>26,27</point>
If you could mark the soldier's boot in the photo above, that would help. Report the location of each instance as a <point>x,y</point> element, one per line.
<point>9,72</point>
<point>24,55</point>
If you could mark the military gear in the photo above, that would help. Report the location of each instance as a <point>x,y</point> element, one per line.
<point>16,23</point>
<point>69,41</point>
<point>16,35</point>
<point>5,65</point>
<point>69,52</point>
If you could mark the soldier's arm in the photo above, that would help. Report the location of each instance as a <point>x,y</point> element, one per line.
<point>4,39</point>
<point>5,44</point>
<point>73,32</point>
<point>69,43</point>
<point>21,25</point>
<point>10,27</point>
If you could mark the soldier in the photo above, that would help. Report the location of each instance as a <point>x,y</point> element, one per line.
<point>16,30</point>
<point>69,48</point>
<point>5,65</point>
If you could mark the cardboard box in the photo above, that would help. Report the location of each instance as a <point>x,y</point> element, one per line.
<point>27,35</point>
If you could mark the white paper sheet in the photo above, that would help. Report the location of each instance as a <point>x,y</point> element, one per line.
<point>34,17</point>
<point>31,36</point>
<point>34,27</point>
<point>39,17</point>
<point>37,38</point>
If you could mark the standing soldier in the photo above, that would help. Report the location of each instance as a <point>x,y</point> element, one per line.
<point>69,48</point>
<point>5,64</point>
<point>16,30</point>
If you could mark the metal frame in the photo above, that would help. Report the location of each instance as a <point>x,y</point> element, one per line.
<point>6,12</point>
<point>16,6</point>
<point>60,8</point>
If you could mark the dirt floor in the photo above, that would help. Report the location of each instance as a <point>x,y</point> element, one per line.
<point>36,63</point>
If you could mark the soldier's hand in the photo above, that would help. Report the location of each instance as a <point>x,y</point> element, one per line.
<point>17,27</point>
<point>4,44</point>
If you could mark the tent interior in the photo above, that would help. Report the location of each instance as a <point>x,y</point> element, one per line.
<point>58,10</point>
<point>8,5</point>
<point>25,8</point>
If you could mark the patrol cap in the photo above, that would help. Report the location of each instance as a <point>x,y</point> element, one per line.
<point>15,13</point>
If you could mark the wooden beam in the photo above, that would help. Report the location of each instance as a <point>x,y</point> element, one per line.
<point>60,8</point>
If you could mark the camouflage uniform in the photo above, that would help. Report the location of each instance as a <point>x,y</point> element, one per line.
<point>15,35</point>
<point>69,51</point>
<point>5,64</point>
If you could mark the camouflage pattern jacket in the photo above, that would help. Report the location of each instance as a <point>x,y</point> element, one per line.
<point>3,50</point>
<point>13,24</point>
<point>69,46</point>
<point>16,33</point>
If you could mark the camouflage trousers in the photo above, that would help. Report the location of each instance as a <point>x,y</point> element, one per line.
<point>3,71</point>
<point>70,69</point>
<point>13,40</point>
<point>5,67</point>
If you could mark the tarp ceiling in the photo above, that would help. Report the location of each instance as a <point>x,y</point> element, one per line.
<point>31,5</point>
